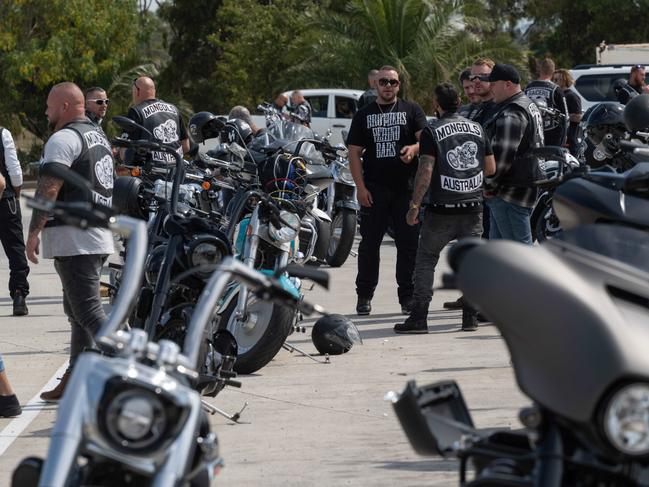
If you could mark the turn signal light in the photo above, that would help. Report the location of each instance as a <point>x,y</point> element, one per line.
<point>206,185</point>
<point>135,171</point>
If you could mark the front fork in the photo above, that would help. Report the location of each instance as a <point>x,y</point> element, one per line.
<point>249,258</point>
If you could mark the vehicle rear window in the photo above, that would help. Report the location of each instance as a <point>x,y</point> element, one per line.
<point>345,107</point>
<point>598,87</point>
<point>318,105</point>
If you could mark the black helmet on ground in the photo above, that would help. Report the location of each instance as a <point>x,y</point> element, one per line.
<point>335,334</point>
<point>605,127</point>
<point>203,126</point>
<point>636,114</point>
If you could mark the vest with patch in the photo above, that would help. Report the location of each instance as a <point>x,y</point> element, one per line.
<point>163,121</point>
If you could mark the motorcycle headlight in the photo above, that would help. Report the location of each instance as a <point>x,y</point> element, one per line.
<point>136,419</point>
<point>345,174</point>
<point>205,253</point>
<point>288,231</point>
<point>626,420</point>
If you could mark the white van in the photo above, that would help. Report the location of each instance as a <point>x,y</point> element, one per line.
<point>332,109</point>
<point>594,82</point>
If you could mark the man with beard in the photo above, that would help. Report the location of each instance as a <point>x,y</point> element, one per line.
<point>96,104</point>
<point>472,108</point>
<point>78,145</point>
<point>385,133</point>
<point>480,68</point>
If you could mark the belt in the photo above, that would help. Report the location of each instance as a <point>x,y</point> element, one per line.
<point>473,204</point>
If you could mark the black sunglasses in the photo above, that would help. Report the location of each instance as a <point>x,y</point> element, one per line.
<point>100,101</point>
<point>388,81</point>
<point>479,77</point>
<point>135,84</point>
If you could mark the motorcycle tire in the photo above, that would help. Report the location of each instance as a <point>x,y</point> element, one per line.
<point>343,231</point>
<point>321,244</point>
<point>259,345</point>
<point>543,221</point>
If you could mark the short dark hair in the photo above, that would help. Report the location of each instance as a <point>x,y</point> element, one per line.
<point>447,97</point>
<point>387,67</point>
<point>92,90</point>
<point>465,75</point>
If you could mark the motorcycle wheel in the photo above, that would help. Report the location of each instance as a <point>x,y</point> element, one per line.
<point>259,342</point>
<point>321,244</point>
<point>343,231</point>
<point>544,222</point>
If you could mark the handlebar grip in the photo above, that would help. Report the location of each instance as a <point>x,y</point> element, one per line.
<point>233,383</point>
<point>227,374</point>
<point>628,146</point>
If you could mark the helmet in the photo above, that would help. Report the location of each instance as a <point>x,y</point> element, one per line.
<point>127,197</point>
<point>236,130</point>
<point>283,176</point>
<point>203,126</point>
<point>636,114</point>
<point>335,334</point>
<point>623,91</point>
<point>605,127</point>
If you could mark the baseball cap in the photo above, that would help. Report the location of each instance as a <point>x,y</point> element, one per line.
<point>503,72</point>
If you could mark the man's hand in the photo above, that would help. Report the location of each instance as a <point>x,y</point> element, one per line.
<point>412,217</point>
<point>364,196</point>
<point>409,152</point>
<point>32,247</point>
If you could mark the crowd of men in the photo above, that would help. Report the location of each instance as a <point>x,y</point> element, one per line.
<point>465,173</point>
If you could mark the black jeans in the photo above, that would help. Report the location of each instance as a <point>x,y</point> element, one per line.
<point>80,275</point>
<point>13,242</point>
<point>389,206</point>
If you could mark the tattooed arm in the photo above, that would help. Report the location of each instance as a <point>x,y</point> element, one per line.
<point>422,182</point>
<point>48,188</point>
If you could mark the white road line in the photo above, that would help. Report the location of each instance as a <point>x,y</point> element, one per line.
<point>13,430</point>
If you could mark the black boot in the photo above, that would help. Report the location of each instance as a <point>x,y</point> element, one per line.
<point>417,322</point>
<point>469,319</point>
<point>363,306</point>
<point>20,308</point>
<point>457,304</point>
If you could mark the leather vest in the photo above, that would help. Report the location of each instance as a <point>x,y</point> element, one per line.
<point>523,169</point>
<point>163,121</point>
<point>9,189</point>
<point>95,164</point>
<point>458,172</point>
<point>542,93</point>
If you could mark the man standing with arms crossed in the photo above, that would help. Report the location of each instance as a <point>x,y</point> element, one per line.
<point>385,133</point>
<point>78,145</point>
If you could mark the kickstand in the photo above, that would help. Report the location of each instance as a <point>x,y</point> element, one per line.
<point>214,410</point>
<point>293,348</point>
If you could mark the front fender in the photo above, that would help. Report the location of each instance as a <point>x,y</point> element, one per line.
<point>348,205</point>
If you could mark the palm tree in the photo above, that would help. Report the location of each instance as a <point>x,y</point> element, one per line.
<point>427,41</point>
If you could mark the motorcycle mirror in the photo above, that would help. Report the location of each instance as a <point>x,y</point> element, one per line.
<point>61,171</point>
<point>319,277</point>
<point>129,125</point>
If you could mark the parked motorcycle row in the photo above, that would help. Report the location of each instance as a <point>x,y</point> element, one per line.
<point>216,250</point>
<point>573,313</point>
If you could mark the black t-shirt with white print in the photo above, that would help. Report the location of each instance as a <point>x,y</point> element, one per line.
<point>383,130</point>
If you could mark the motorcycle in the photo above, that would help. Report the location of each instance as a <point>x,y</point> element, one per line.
<point>581,361</point>
<point>185,246</point>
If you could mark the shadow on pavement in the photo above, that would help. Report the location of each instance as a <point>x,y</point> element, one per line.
<point>422,465</point>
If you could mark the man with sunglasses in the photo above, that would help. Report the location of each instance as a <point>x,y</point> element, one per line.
<point>385,133</point>
<point>480,71</point>
<point>96,104</point>
<point>470,109</point>
<point>160,118</point>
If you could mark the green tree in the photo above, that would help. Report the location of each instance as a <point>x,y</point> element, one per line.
<point>569,31</point>
<point>43,43</point>
<point>426,41</point>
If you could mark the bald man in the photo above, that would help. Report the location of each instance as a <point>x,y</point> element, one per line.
<point>160,118</point>
<point>78,145</point>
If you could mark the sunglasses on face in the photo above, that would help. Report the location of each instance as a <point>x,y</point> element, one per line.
<point>100,101</point>
<point>387,81</point>
<point>479,77</point>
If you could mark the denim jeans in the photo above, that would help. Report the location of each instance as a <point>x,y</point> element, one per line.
<point>80,275</point>
<point>436,232</point>
<point>509,221</point>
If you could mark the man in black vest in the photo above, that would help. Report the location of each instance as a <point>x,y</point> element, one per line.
<point>11,223</point>
<point>369,95</point>
<point>385,133</point>
<point>455,155</point>
<point>547,94</point>
<point>514,126</point>
<point>160,118</point>
<point>78,145</point>
<point>96,104</point>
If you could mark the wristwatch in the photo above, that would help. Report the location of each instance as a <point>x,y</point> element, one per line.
<point>414,206</point>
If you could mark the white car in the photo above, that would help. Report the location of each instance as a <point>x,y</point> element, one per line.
<point>594,83</point>
<point>333,109</point>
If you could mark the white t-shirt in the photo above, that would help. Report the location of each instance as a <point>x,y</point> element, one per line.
<point>11,159</point>
<point>64,146</point>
